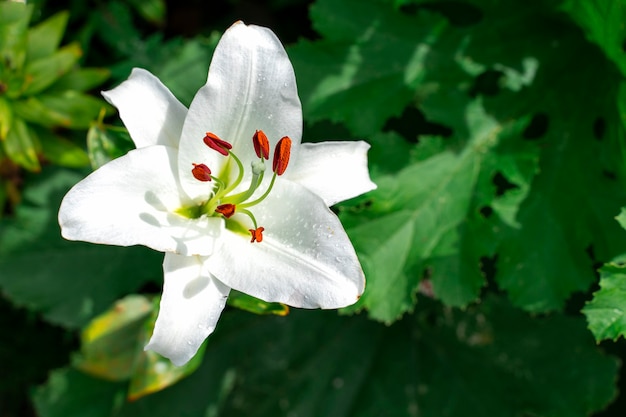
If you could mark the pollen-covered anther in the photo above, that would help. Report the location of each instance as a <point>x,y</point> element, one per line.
<point>282,152</point>
<point>214,142</point>
<point>226,210</point>
<point>201,172</point>
<point>257,234</point>
<point>261,144</point>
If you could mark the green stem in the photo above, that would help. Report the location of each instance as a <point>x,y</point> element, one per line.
<point>258,200</point>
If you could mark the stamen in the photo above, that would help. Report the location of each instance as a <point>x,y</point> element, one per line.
<point>201,172</point>
<point>257,234</point>
<point>281,155</point>
<point>214,142</point>
<point>261,144</point>
<point>226,210</point>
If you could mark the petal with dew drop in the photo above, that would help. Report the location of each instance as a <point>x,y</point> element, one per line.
<point>251,86</point>
<point>305,259</point>
<point>191,305</point>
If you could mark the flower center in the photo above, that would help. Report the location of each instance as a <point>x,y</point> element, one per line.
<point>224,201</point>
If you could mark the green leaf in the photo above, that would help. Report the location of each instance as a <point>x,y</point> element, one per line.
<point>14,18</point>
<point>41,73</point>
<point>72,393</point>
<point>254,305</point>
<point>368,64</point>
<point>606,312</point>
<point>151,10</point>
<point>61,151</point>
<point>417,223</point>
<point>21,145</point>
<point>438,362</point>
<point>557,223</point>
<point>79,280</point>
<point>69,109</point>
<point>45,38</point>
<point>83,79</point>
<point>105,144</point>
<point>603,22</point>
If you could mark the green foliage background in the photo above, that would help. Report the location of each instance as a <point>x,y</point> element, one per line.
<point>494,246</point>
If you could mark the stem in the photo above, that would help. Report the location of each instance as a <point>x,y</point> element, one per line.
<point>249,214</point>
<point>258,200</point>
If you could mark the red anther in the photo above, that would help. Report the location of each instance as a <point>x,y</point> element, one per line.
<point>201,172</point>
<point>226,210</point>
<point>261,145</point>
<point>214,142</point>
<point>257,234</point>
<point>281,155</point>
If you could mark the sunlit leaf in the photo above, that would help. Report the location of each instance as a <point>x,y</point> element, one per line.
<point>109,344</point>
<point>254,305</point>
<point>21,145</point>
<point>606,312</point>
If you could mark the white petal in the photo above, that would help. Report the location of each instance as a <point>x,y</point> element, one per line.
<point>191,304</point>
<point>305,259</point>
<point>336,171</point>
<point>251,86</point>
<point>150,112</point>
<point>131,201</point>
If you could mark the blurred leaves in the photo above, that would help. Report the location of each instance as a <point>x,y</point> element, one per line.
<point>316,363</point>
<point>33,64</point>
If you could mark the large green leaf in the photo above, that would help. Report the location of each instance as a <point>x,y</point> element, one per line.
<point>603,22</point>
<point>425,216</point>
<point>368,64</point>
<point>318,364</point>
<point>69,282</point>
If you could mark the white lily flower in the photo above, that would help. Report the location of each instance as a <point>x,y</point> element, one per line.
<point>197,189</point>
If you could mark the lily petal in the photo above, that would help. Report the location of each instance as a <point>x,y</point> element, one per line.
<point>305,259</point>
<point>131,200</point>
<point>251,86</point>
<point>336,171</point>
<point>149,110</point>
<point>191,305</point>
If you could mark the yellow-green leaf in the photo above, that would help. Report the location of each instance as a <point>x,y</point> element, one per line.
<point>110,343</point>
<point>6,118</point>
<point>21,146</point>
<point>254,305</point>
